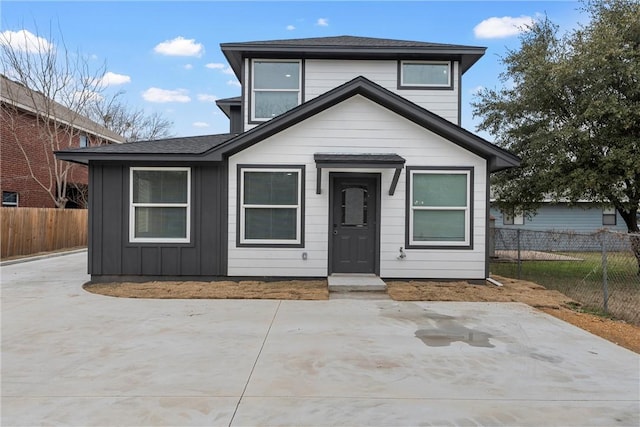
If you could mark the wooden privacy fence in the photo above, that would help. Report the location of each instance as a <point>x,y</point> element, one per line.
<point>27,231</point>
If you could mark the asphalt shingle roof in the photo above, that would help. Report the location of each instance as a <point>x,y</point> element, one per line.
<point>345,41</point>
<point>183,145</point>
<point>19,96</point>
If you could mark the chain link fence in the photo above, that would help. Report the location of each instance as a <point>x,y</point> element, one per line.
<point>599,270</point>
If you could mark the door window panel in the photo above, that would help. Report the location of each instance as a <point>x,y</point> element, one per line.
<point>354,206</point>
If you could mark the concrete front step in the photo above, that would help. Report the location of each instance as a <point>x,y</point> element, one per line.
<point>356,283</point>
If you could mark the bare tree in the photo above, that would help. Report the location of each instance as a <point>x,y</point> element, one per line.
<point>53,85</point>
<point>133,124</point>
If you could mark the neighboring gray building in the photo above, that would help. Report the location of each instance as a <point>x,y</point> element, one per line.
<point>582,217</point>
<point>346,155</point>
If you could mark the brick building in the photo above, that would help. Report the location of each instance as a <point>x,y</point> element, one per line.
<point>32,127</point>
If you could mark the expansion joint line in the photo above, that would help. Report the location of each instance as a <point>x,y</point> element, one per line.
<point>255,363</point>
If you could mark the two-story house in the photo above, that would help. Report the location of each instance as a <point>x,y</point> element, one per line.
<point>31,128</point>
<point>346,155</point>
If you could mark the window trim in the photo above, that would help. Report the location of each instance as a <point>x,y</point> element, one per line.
<point>402,85</point>
<point>609,212</point>
<point>133,206</point>
<point>409,208</point>
<point>252,119</point>
<point>241,241</point>
<point>11,204</point>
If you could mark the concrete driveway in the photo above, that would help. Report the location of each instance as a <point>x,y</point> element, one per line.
<point>73,358</point>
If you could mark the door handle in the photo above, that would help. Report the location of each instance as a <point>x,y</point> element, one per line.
<point>335,232</point>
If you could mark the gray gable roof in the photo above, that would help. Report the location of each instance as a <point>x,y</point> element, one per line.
<point>349,47</point>
<point>187,148</point>
<point>497,157</point>
<point>226,104</point>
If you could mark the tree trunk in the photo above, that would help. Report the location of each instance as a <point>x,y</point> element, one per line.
<point>631,219</point>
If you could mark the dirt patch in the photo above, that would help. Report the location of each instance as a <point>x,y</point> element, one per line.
<point>293,290</point>
<point>549,301</point>
<point>513,291</point>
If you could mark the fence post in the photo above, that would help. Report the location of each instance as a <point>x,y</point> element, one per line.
<point>605,284</point>
<point>519,257</point>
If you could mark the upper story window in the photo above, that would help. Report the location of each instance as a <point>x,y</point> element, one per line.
<point>84,141</point>
<point>425,74</point>
<point>276,88</point>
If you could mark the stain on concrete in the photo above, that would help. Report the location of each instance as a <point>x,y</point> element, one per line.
<point>444,337</point>
<point>439,330</point>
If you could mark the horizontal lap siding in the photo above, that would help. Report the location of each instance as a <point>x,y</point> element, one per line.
<point>323,75</point>
<point>320,76</point>
<point>354,126</point>
<point>583,218</point>
<point>111,253</point>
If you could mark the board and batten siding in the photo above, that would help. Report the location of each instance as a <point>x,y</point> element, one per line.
<point>110,252</point>
<point>358,125</point>
<point>322,75</point>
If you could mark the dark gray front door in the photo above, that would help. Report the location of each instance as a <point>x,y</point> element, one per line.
<point>353,223</point>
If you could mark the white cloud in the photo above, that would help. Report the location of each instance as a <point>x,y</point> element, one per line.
<point>113,79</point>
<point>222,67</point>
<point>200,124</point>
<point>476,90</point>
<point>155,94</point>
<point>507,26</point>
<point>322,22</point>
<point>25,41</point>
<point>80,97</point>
<point>188,66</point>
<point>180,47</point>
<point>234,83</point>
<point>291,27</point>
<point>207,98</point>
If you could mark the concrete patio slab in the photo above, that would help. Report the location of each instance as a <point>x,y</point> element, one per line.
<point>74,358</point>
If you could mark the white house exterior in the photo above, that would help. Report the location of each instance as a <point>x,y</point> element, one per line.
<point>348,158</point>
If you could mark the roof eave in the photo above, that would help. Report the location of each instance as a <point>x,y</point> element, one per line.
<point>85,158</point>
<point>501,158</point>
<point>235,52</point>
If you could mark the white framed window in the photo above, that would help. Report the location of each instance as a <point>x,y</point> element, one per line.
<point>425,74</point>
<point>10,199</point>
<point>275,87</point>
<point>439,207</point>
<point>511,218</point>
<point>160,208</point>
<point>84,141</point>
<point>609,216</point>
<point>271,203</point>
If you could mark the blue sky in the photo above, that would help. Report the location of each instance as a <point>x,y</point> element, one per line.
<point>166,55</point>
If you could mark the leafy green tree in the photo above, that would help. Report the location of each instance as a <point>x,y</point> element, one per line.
<point>569,106</point>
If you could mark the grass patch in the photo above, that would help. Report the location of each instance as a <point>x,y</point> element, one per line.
<point>582,280</point>
<point>622,269</point>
